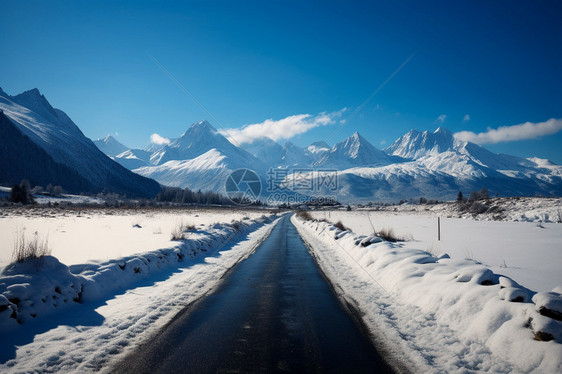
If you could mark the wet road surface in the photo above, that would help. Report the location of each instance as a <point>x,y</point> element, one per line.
<point>273,313</point>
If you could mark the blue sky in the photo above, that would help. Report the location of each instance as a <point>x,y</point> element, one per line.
<point>470,66</point>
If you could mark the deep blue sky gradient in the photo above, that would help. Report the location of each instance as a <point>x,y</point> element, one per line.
<point>500,62</point>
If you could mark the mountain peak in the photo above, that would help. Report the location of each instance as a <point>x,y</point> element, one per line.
<point>442,130</point>
<point>356,139</point>
<point>198,139</point>
<point>202,125</point>
<point>110,146</point>
<point>198,129</point>
<point>32,94</point>
<point>36,102</point>
<point>352,152</point>
<point>416,144</point>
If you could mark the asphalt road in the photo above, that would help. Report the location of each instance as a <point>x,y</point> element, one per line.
<point>274,312</point>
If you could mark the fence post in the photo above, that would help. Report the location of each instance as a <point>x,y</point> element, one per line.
<point>438,228</point>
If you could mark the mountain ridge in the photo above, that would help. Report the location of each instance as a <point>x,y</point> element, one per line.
<point>110,146</point>
<point>429,164</point>
<point>56,134</point>
<point>419,163</point>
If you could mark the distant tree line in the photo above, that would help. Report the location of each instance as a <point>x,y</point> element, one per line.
<point>186,196</point>
<point>422,200</point>
<point>478,202</point>
<point>50,190</point>
<point>23,193</point>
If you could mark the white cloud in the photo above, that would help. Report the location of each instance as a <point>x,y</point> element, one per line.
<point>466,118</point>
<point>157,139</point>
<point>527,130</point>
<point>382,142</point>
<point>441,118</point>
<point>284,128</point>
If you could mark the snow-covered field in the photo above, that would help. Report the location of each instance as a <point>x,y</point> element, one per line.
<point>517,209</point>
<point>80,317</point>
<point>530,252</point>
<point>117,277</point>
<point>441,314</point>
<point>77,236</point>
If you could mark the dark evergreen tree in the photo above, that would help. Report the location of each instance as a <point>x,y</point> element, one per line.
<point>22,193</point>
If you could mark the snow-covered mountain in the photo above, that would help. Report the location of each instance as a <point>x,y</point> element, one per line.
<point>352,152</point>
<point>200,159</point>
<point>289,155</point>
<point>133,158</point>
<point>130,158</point>
<point>54,133</point>
<point>198,139</point>
<point>416,144</point>
<point>295,156</point>
<point>319,148</point>
<point>266,150</point>
<point>110,146</point>
<point>435,165</point>
<point>42,143</point>
<point>20,158</point>
<point>430,164</point>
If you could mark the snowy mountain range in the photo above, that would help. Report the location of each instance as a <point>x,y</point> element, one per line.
<point>42,144</point>
<point>429,164</point>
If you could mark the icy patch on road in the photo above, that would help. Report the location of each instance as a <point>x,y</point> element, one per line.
<point>437,314</point>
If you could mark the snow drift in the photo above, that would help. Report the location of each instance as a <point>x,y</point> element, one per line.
<point>440,314</point>
<point>36,288</point>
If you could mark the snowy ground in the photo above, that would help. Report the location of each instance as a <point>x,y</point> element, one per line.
<point>525,251</point>
<point>122,301</point>
<point>77,236</point>
<point>517,209</point>
<point>438,314</point>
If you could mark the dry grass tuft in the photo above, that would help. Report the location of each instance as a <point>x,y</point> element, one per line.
<point>25,250</point>
<point>178,233</point>
<point>340,226</point>
<point>389,236</point>
<point>304,215</point>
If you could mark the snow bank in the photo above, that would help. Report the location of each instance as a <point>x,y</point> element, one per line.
<point>42,286</point>
<point>519,250</point>
<point>440,314</point>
